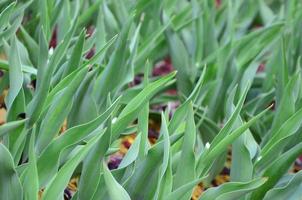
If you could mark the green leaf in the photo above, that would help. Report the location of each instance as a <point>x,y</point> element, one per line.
<point>29,178</point>
<point>55,189</point>
<point>45,72</point>
<point>276,170</point>
<point>35,107</point>
<point>71,77</point>
<point>4,65</point>
<point>164,185</point>
<point>291,190</point>
<point>10,126</point>
<point>6,14</point>
<point>10,187</point>
<point>102,51</point>
<point>31,44</point>
<point>130,112</point>
<point>115,190</point>
<point>212,152</point>
<point>84,107</point>
<point>49,159</point>
<point>11,30</point>
<point>186,167</point>
<point>90,176</point>
<point>182,191</point>
<point>181,111</point>
<point>45,21</point>
<point>150,43</point>
<point>279,140</point>
<point>232,190</point>
<point>132,153</point>
<point>58,111</point>
<point>250,49</point>
<point>243,149</point>
<point>15,74</point>
<point>114,76</point>
<point>181,62</point>
<point>143,119</point>
<point>148,169</point>
<point>74,61</point>
<point>231,121</point>
<point>286,107</point>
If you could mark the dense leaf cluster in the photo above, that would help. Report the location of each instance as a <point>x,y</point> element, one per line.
<point>67,71</point>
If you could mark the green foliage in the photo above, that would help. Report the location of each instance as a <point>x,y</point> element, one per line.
<point>68,69</point>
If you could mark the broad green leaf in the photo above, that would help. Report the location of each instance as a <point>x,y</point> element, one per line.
<point>110,20</point>
<point>117,72</point>
<point>55,189</point>
<point>164,185</point>
<point>92,165</point>
<point>148,169</point>
<point>291,190</point>
<point>60,50</point>
<point>63,18</point>
<point>279,140</point>
<point>45,18</point>
<point>115,190</point>
<point>286,107</point>
<point>231,121</point>
<point>186,167</point>
<point>288,128</point>
<point>61,86</point>
<point>243,149</point>
<point>10,126</point>
<point>74,60</point>
<point>132,153</point>
<point>250,49</point>
<point>212,152</point>
<point>17,143</point>
<point>232,190</point>
<point>15,73</point>
<point>68,79</point>
<point>11,30</point>
<point>35,107</point>
<point>84,107</point>
<point>143,123</point>
<point>102,51</point>
<point>181,62</point>
<point>10,187</point>
<point>32,46</point>
<point>181,111</point>
<point>100,34</point>
<point>277,169</point>
<point>130,112</point>
<point>143,119</point>
<point>5,15</point>
<point>58,111</point>
<point>25,68</point>
<point>49,159</point>
<point>45,72</point>
<point>245,41</point>
<point>30,178</point>
<point>181,192</point>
